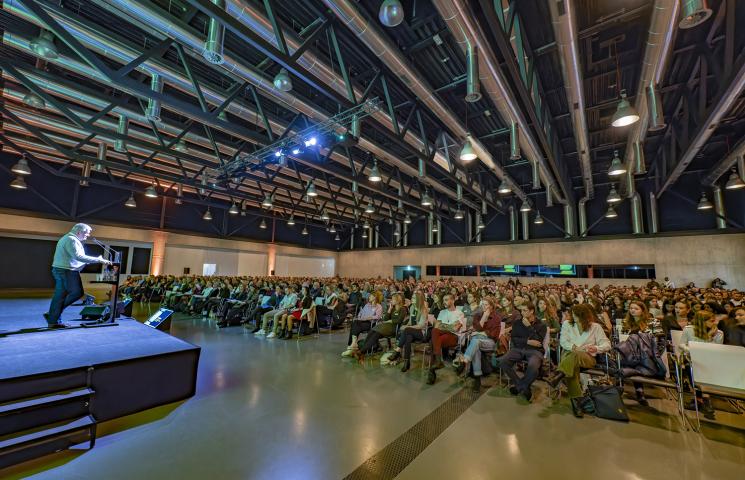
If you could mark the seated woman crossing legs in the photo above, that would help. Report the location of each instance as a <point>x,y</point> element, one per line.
<point>392,318</point>
<point>582,339</point>
<point>486,333</point>
<point>371,312</point>
<point>415,331</point>
<point>528,334</point>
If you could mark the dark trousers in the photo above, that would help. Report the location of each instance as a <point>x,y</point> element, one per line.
<point>358,326</point>
<point>68,288</point>
<point>371,342</point>
<point>534,359</point>
<point>407,336</point>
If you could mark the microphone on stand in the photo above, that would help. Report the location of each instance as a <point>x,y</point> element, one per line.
<point>112,253</point>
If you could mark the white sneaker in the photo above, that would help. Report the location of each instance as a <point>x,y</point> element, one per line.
<point>271,335</point>
<point>348,352</point>
<point>260,333</point>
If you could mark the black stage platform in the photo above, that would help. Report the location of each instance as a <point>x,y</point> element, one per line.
<point>134,366</point>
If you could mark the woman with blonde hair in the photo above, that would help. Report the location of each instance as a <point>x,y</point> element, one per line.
<point>703,328</point>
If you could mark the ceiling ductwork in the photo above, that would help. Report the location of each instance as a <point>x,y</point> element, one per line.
<point>660,41</point>
<point>213,45</point>
<point>565,30</point>
<point>495,85</point>
<point>389,54</point>
<point>473,85</point>
<point>156,21</point>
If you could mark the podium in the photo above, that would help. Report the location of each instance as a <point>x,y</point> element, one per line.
<point>111,277</point>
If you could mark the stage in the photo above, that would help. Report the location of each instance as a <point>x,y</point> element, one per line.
<point>124,369</point>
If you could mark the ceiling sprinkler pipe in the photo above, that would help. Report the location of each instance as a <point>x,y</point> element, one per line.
<point>119,144</point>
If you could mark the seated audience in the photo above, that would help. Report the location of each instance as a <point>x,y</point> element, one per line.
<point>527,336</point>
<point>450,321</point>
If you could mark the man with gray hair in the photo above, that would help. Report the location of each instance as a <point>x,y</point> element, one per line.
<point>69,259</point>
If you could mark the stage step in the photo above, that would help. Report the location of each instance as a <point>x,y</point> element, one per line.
<point>43,442</point>
<point>35,412</point>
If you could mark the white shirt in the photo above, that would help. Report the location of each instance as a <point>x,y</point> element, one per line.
<point>571,337</point>
<point>689,335</point>
<point>70,254</point>
<point>449,318</point>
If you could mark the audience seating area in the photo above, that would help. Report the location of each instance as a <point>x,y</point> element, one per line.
<point>686,341</point>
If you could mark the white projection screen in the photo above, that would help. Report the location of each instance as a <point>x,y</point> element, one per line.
<point>298,266</point>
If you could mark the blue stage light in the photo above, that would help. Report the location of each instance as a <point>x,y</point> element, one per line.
<point>312,141</point>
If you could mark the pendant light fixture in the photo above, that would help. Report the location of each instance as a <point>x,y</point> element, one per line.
<point>233,210</point>
<point>467,153</point>
<point>291,220</point>
<point>525,207</point>
<point>613,196</point>
<point>267,202</point>
<point>391,13</point>
<point>21,167</point>
<point>181,147</point>
<point>481,225</point>
<point>426,200</point>
<point>311,189</point>
<point>611,213</point>
<point>262,225</point>
<point>305,231</point>
<point>131,203</point>
<point>625,114</point>
<point>374,173</point>
<point>44,46</point>
<point>34,101</point>
<point>150,191</point>
<point>504,187</point>
<point>695,12</point>
<point>734,182</point>
<point>325,216</point>
<point>366,225</point>
<point>207,215</point>
<point>704,203</point>
<point>407,219</point>
<point>538,218</point>
<point>616,166</point>
<point>434,225</point>
<point>369,208</point>
<point>282,81</point>
<point>337,237</point>
<point>459,214</point>
<point>18,183</point>
<point>332,229</point>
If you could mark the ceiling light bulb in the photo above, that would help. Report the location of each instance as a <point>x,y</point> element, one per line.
<point>267,203</point>
<point>332,229</point>
<point>481,225</point>
<point>324,216</point>
<point>337,237</point>
<point>625,114</point>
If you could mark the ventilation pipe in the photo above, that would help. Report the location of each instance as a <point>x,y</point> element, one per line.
<point>213,45</point>
<point>549,198</point>
<point>515,142</point>
<point>473,93</point>
<point>439,231</point>
<point>656,113</point>
<point>513,224</point>
<point>582,215</point>
<point>430,233</point>
<point>640,166</point>
<point>637,215</point>
<point>119,144</point>
<point>422,169</point>
<point>654,227</point>
<point>526,225</point>
<point>153,106</point>
<point>478,221</point>
<point>101,156</point>
<point>86,173</point>
<point>376,233</point>
<point>569,221</point>
<point>405,235</point>
<point>469,226</point>
<point>662,30</point>
<point>370,238</point>
<point>565,30</point>
<point>537,177</point>
<point>719,207</point>
<point>351,238</point>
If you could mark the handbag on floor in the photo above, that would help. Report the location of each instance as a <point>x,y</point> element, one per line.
<point>608,402</point>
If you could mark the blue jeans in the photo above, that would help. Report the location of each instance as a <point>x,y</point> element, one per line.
<point>68,288</point>
<point>478,344</point>
<point>534,360</point>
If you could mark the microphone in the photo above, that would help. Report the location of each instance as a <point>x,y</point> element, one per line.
<point>111,253</point>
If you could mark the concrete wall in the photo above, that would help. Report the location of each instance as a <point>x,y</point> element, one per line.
<point>697,258</point>
<point>232,257</point>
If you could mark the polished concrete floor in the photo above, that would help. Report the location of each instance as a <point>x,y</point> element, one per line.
<point>273,409</point>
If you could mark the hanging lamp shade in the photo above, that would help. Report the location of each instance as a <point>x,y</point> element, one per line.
<point>734,182</point>
<point>364,233</point>
<point>267,202</point>
<point>44,46</point>
<point>391,13</point>
<point>704,203</point>
<point>291,220</point>
<point>262,225</point>
<point>19,183</point>
<point>233,210</point>
<point>369,208</point>
<point>538,219</point>
<point>426,200</point>
<point>434,226</point>
<point>337,237</point>
<point>374,173</point>
<point>625,114</point>
<point>150,192</point>
<point>131,203</point>
<point>459,214</point>
<point>504,187</point>
<point>616,166</point>
<point>525,207</point>
<point>21,167</point>
<point>407,219</point>
<point>695,12</point>
<point>467,153</point>
<point>311,190</point>
<point>325,216</point>
<point>207,215</point>
<point>332,229</point>
<point>282,81</point>
<point>613,196</point>
<point>305,231</point>
<point>611,212</point>
<point>481,225</point>
<point>181,147</point>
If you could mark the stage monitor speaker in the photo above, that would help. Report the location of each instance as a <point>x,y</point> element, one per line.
<point>160,320</point>
<point>124,307</point>
<point>94,312</point>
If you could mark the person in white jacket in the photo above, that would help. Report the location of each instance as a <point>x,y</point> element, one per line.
<point>582,339</point>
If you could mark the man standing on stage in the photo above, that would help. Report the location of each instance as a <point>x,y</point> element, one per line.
<point>69,259</point>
